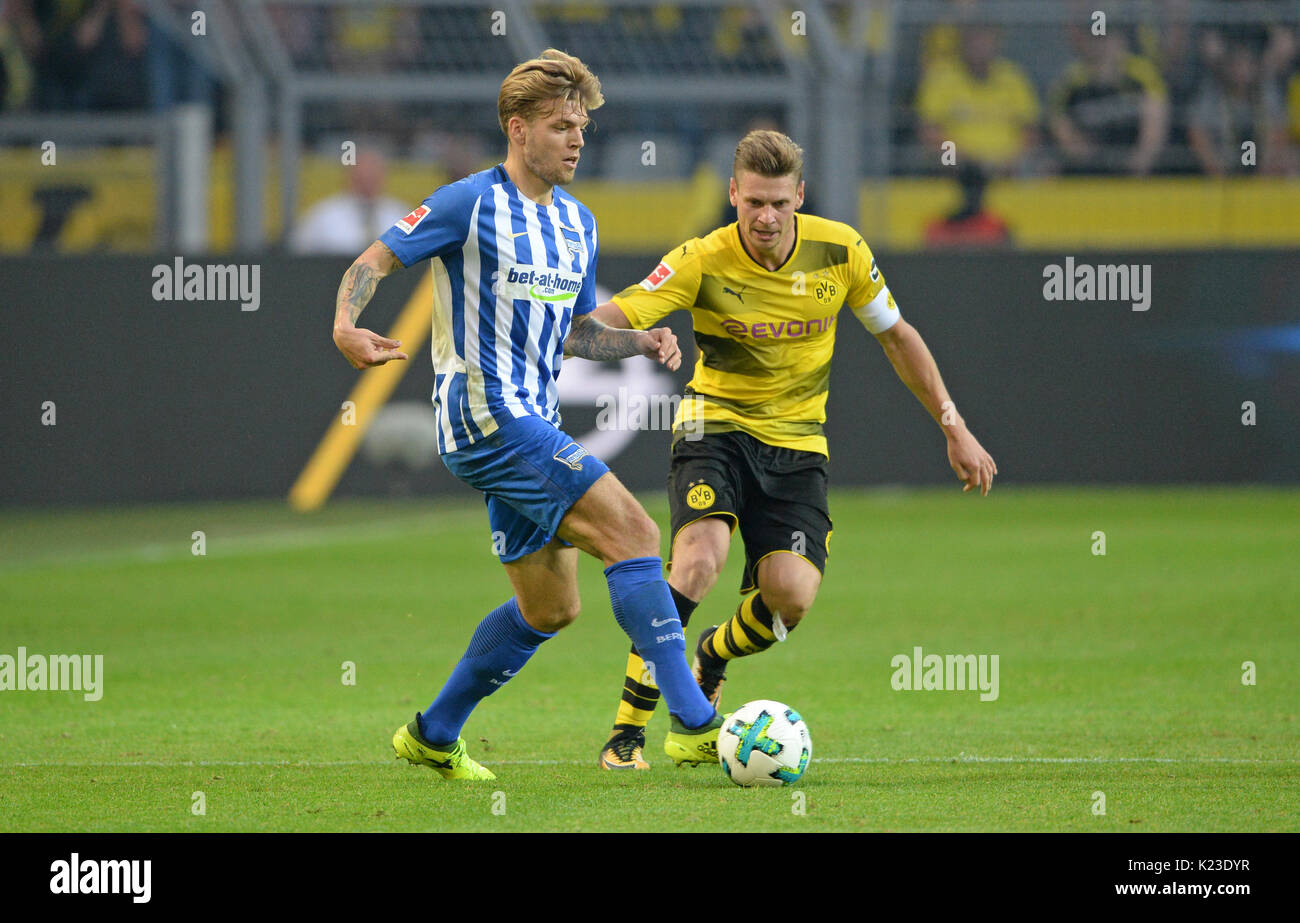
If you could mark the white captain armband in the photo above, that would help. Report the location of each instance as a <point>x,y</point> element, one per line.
<point>880,313</point>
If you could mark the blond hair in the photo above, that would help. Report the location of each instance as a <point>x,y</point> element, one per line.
<point>768,153</point>
<point>531,88</point>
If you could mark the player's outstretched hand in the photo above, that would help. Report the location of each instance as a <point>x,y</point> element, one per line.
<point>365,348</point>
<point>972,464</point>
<point>660,344</point>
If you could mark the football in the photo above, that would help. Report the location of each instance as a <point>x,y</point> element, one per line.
<point>764,743</point>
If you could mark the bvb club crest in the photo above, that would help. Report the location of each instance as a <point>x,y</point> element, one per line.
<point>699,496</point>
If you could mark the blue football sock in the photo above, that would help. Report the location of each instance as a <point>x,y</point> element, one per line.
<point>501,646</point>
<point>644,609</point>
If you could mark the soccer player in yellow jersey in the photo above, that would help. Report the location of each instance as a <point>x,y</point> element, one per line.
<point>748,449</point>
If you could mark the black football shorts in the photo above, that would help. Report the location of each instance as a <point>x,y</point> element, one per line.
<point>775,496</point>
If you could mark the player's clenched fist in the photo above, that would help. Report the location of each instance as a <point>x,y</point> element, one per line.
<point>365,348</point>
<point>660,344</point>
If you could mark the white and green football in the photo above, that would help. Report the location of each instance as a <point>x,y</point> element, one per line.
<point>764,743</point>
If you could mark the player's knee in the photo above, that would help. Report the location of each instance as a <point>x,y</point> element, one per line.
<point>640,535</point>
<point>791,603</point>
<point>553,615</point>
<point>792,614</point>
<point>695,574</point>
<point>565,615</point>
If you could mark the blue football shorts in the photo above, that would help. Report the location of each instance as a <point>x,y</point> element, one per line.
<point>530,473</point>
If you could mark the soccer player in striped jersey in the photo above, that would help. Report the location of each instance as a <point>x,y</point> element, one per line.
<point>514,262</point>
<point>748,449</point>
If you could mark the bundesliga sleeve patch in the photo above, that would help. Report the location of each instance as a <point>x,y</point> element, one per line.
<point>412,221</point>
<point>662,273</point>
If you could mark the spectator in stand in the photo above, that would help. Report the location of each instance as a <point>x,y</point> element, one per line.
<point>1293,107</point>
<point>175,74</point>
<point>304,31</point>
<point>742,40</point>
<point>1168,40</point>
<point>983,103</point>
<point>972,225</point>
<point>85,54</point>
<point>1237,105</point>
<point>941,42</point>
<point>15,75</point>
<point>1273,43</point>
<point>1109,112</point>
<point>353,220</point>
<point>374,38</point>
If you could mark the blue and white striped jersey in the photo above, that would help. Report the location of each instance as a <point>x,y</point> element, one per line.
<point>508,276</point>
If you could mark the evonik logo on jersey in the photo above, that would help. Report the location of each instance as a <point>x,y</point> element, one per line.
<point>779,329</point>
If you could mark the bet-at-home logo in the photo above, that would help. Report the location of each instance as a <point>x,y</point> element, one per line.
<point>539,284</point>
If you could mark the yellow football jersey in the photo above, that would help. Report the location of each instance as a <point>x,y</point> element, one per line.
<point>765,337</point>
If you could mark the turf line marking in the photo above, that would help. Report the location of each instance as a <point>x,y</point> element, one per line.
<point>312,764</point>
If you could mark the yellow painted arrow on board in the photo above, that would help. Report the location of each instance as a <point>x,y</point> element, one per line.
<point>373,389</point>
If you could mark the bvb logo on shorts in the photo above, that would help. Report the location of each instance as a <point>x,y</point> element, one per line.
<point>700,496</point>
<point>824,291</point>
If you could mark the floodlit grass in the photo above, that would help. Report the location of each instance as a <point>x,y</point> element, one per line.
<point>223,673</point>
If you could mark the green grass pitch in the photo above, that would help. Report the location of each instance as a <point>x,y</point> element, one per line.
<point>1119,674</point>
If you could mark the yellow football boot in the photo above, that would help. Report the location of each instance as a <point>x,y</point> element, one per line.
<point>688,747</point>
<point>450,764</point>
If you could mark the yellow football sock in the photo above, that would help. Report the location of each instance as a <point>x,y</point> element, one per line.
<point>640,695</point>
<point>747,632</point>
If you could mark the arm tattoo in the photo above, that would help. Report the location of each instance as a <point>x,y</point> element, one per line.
<point>356,290</point>
<point>591,339</point>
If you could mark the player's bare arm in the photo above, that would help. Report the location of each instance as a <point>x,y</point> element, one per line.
<point>590,338</point>
<point>917,369</point>
<point>611,315</point>
<point>361,347</point>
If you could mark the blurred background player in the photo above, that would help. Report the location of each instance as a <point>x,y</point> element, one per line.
<point>748,447</point>
<point>497,352</point>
